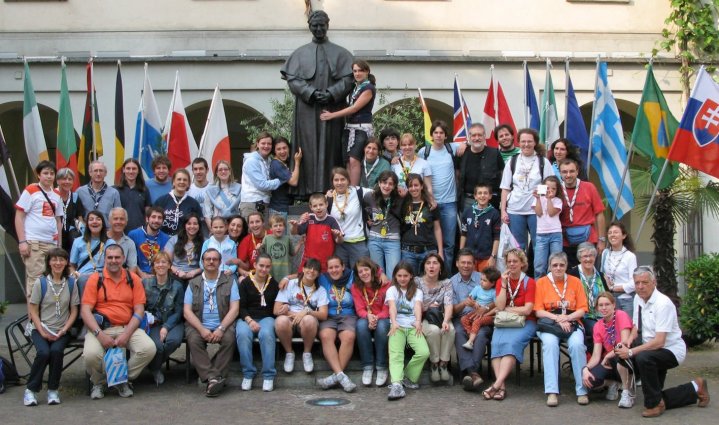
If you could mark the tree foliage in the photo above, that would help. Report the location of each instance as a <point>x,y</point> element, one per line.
<point>700,310</point>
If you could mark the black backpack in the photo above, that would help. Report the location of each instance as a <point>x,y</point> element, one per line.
<point>8,374</point>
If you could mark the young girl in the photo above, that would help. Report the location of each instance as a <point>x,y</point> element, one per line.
<point>373,165</point>
<point>52,312</point>
<point>405,314</point>
<point>222,242</point>
<point>279,247</point>
<point>421,231</point>
<point>222,197</point>
<point>184,250</point>
<point>549,229</point>
<point>411,163</point>
<point>482,298</point>
<point>384,207</point>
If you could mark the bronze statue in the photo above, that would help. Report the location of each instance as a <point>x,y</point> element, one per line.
<point>319,74</point>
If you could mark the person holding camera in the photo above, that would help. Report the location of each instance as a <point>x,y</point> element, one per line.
<point>547,203</point>
<point>257,186</point>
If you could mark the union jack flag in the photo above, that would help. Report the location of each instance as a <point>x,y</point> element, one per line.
<point>462,120</point>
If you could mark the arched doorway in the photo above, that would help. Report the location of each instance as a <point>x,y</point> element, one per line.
<point>395,114</point>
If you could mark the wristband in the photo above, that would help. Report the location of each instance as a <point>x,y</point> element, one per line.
<point>137,316</point>
<point>21,242</point>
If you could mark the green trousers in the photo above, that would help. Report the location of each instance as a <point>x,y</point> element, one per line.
<point>397,344</point>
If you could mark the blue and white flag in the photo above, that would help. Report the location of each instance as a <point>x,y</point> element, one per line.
<point>576,130</point>
<point>609,156</point>
<point>148,131</point>
<point>115,366</point>
<point>531,110</point>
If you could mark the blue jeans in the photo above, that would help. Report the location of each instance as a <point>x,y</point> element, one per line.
<point>519,225</point>
<point>550,359</point>
<point>448,222</point>
<point>165,349</point>
<point>625,304</point>
<point>384,252</point>
<point>370,352</point>
<point>266,335</point>
<point>545,245</point>
<point>415,259</point>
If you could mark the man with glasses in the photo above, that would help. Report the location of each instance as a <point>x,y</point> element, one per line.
<point>660,348</point>
<point>212,303</point>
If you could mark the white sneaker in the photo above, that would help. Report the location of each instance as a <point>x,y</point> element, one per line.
<point>381,377</point>
<point>627,400</point>
<point>612,392</point>
<point>124,390</point>
<point>53,397</point>
<point>29,399</point>
<point>268,385</point>
<point>328,382</point>
<point>97,392</point>
<point>159,377</point>
<point>347,385</point>
<point>246,384</point>
<point>307,362</point>
<point>289,362</point>
<point>367,377</point>
<point>396,391</point>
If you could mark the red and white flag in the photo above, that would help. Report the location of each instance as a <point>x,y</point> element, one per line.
<point>496,112</point>
<point>215,142</point>
<point>181,145</point>
<point>504,114</point>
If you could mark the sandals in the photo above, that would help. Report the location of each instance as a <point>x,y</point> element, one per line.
<point>490,392</point>
<point>500,394</point>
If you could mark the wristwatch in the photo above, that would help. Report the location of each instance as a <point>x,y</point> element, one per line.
<point>630,353</point>
<point>222,328</point>
<point>96,332</point>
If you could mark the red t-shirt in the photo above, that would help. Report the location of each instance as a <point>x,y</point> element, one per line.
<point>523,295</point>
<point>248,249</point>
<point>379,307</point>
<point>586,207</point>
<point>622,321</point>
<point>320,242</point>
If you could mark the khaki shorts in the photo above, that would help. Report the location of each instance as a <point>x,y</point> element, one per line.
<point>35,262</point>
<point>339,323</point>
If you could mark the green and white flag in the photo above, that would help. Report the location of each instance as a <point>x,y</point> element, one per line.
<point>549,127</point>
<point>32,127</point>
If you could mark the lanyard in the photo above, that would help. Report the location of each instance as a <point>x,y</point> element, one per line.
<point>261,289</point>
<point>366,298</point>
<point>571,203</point>
<point>339,296</point>
<point>562,303</point>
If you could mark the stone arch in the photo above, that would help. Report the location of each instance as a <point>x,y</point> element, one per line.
<point>438,110</point>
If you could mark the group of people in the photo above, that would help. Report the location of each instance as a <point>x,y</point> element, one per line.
<point>152,262</point>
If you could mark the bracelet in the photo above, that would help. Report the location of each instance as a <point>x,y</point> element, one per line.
<point>23,241</point>
<point>137,316</point>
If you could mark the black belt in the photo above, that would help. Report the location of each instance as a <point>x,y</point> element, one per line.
<point>417,249</point>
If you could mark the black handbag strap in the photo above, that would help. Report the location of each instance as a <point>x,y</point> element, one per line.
<point>54,213</point>
<point>92,255</point>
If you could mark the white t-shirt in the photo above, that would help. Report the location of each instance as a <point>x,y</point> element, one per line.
<point>405,308</point>
<point>547,224</point>
<point>526,177</point>
<point>660,315</point>
<point>40,222</point>
<point>294,296</point>
<point>619,266</point>
<point>198,193</point>
<point>419,166</point>
<point>352,225</point>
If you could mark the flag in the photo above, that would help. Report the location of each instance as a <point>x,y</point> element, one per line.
<point>31,124</point>
<point>181,145</point>
<point>609,156</point>
<point>4,157</point>
<point>549,125</point>
<point>215,142</point>
<point>119,126</point>
<point>696,142</point>
<point>489,114</point>
<point>91,138</point>
<point>574,123</point>
<point>148,131</point>
<point>504,115</point>
<point>654,131</point>
<point>427,119</point>
<point>462,119</point>
<point>66,153</point>
<point>531,110</point>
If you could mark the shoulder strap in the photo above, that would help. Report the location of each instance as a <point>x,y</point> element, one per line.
<point>43,287</point>
<point>541,166</point>
<point>54,213</point>
<point>512,168</point>
<point>70,285</point>
<point>427,147</point>
<point>360,196</point>
<point>449,149</point>
<point>329,203</point>
<point>526,280</point>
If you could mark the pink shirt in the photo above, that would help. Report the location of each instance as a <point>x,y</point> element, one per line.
<point>545,223</point>
<point>622,321</point>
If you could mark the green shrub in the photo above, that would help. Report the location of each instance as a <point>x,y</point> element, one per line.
<point>700,305</point>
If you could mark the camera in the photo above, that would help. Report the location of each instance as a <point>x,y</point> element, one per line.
<point>619,345</point>
<point>542,189</point>
<point>260,206</point>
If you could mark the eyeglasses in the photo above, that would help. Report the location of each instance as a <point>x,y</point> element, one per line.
<point>211,259</point>
<point>558,265</point>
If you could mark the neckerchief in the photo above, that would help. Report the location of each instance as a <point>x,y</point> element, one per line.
<point>611,330</point>
<point>415,217</point>
<point>563,304</point>
<point>356,91</point>
<point>97,196</point>
<point>56,295</point>
<point>570,203</point>
<point>89,253</point>
<point>304,293</point>
<point>343,207</point>
<point>210,291</point>
<point>590,287</point>
<point>366,172</point>
<point>407,170</point>
<point>261,289</point>
<point>339,296</point>
<point>525,170</point>
<point>513,295</point>
<point>477,213</point>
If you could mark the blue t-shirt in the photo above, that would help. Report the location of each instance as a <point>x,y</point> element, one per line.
<point>484,297</point>
<point>348,305</point>
<point>158,189</point>
<point>79,253</point>
<point>443,181</point>
<point>147,246</point>
<point>211,319</point>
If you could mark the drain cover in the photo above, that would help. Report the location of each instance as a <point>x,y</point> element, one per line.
<point>327,402</point>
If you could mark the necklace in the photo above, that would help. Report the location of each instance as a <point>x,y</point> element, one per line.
<point>343,207</point>
<point>261,289</point>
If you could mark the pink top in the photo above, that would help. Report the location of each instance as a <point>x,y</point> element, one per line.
<point>621,321</point>
<point>545,223</point>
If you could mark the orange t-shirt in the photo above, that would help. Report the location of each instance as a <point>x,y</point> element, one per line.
<point>118,306</point>
<point>546,298</point>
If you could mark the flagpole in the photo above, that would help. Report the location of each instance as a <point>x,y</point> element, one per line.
<point>526,100</point>
<point>496,97</point>
<point>10,260</point>
<point>624,178</point>
<point>566,96</point>
<point>10,167</point>
<point>91,88</point>
<point>591,126</point>
<point>651,200</point>
<point>142,119</point>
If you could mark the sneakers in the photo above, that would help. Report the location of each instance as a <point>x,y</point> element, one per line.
<point>124,390</point>
<point>307,362</point>
<point>328,382</point>
<point>289,362</point>
<point>268,385</point>
<point>159,377</point>
<point>552,400</point>
<point>582,400</point>
<point>627,400</point>
<point>612,392</point>
<point>443,372</point>
<point>53,397</point>
<point>246,384</point>
<point>472,382</point>
<point>381,377</point>
<point>396,391</point>
<point>468,346</point>
<point>29,399</point>
<point>367,377</point>
<point>97,392</point>
<point>702,392</point>
<point>434,374</point>
<point>409,384</point>
<point>347,385</point>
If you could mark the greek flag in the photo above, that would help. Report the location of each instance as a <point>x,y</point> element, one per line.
<point>609,156</point>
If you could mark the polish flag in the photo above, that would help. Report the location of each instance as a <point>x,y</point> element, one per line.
<point>215,142</point>
<point>181,145</point>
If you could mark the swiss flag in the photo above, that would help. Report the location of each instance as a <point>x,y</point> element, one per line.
<point>181,145</point>
<point>215,143</point>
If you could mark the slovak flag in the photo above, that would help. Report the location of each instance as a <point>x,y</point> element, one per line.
<point>148,131</point>
<point>215,142</point>
<point>696,142</point>
<point>181,145</point>
<point>462,119</point>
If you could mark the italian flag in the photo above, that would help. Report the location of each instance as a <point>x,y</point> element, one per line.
<point>31,124</point>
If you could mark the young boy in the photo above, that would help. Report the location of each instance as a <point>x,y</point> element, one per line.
<point>482,297</point>
<point>480,228</point>
<point>279,247</point>
<point>322,230</point>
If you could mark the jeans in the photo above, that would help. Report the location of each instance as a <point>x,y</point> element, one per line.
<point>48,353</point>
<point>625,304</point>
<point>448,222</point>
<point>369,353</point>
<point>385,252</point>
<point>165,349</point>
<point>545,245</point>
<point>266,335</point>
<point>550,359</point>
<point>519,224</point>
<point>415,259</point>
<point>471,361</point>
<point>397,345</point>
<point>351,252</point>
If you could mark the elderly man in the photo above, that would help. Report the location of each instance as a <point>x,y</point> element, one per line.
<point>479,164</point>
<point>212,303</point>
<point>117,297</point>
<point>97,195</point>
<point>116,235</point>
<point>661,348</point>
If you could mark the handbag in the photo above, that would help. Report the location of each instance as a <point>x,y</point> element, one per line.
<point>508,319</point>
<point>434,316</point>
<point>577,234</point>
<point>545,324</point>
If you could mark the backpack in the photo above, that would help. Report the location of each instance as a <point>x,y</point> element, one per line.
<point>74,331</point>
<point>428,147</point>
<point>100,283</point>
<point>8,373</point>
<point>513,167</point>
